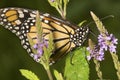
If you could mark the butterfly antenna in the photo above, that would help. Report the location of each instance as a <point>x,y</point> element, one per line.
<point>109,16</point>
<point>93,33</point>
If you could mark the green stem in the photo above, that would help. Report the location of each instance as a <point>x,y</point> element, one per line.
<point>64,12</point>
<point>49,74</point>
<point>116,64</point>
<point>99,73</point>
<point>61,12</point>
<point>45,63</point>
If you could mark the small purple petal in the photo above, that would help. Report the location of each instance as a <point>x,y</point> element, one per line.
<point>36,58</point>
<point>96,53</point>
<point>35,46</point>
<point>112,48</point>
<point>105,42</point>
<point>40,51</point>
<point>52,0</point>
<point>108,41</point>
<point>39,47</point>
<point>101,51</point>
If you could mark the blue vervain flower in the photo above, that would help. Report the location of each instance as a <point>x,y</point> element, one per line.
<point>96,53</point>
<point>39,47</point>
<point>107,42</point>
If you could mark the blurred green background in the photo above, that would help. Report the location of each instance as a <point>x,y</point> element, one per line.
<point>13,57</point>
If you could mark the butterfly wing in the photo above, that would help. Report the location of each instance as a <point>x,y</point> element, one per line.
<point>60,31</point>
<point>22,22</point>
<point>13,18</point>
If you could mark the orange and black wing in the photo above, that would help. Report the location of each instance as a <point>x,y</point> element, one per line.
<point>60,30</point>
<point>13,18</point>
<point>22,22</point>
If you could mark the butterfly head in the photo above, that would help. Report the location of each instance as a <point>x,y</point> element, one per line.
<point>79,36</point>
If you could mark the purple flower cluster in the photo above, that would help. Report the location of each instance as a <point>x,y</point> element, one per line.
<point>39,47</point>
<point>105,42</point>
<point>96,53</point>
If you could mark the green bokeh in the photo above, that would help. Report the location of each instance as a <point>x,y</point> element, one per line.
<point>13,57</point>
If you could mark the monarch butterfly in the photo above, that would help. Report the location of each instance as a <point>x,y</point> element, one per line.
<point>22,22</point>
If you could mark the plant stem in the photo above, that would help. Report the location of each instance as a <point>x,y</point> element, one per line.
<point>99,73</point>
<point>116,64</point>
<point>49,74</point>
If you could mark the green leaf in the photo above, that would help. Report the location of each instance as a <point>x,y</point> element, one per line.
<point>79,69</point>
<point>58,75</point>
<point>28,74</point>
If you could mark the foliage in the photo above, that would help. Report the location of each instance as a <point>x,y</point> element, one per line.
<point>28,74</point>
<point>76,67</point>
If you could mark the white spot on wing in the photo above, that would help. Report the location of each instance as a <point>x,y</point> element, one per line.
<point>28,50</point>
<point>21,37</point>
<point>27,27</point>
<point>1,23</point>
<point>34,12</point>
<point>23,27</point>
<point>9,24</point>
<point>79,44</point>
<point>25,10</point>
<point>23,41</point>
<point>16,28</point>
<point>31,24</point>
<point>32,15</point>
<point>46,14</point>
<point>25,23</point>
<point>5,10</point>
<point>18,22</point>
<point>14,31</point>
<point>42,17</point>
<point>4,20</point>
<point>12,8</point>
<point>27,31</point>
<point>82,36</point>
<point>46,21</point>
<point>2,15</point>
<point>21,15</point>
<point>31,55</point>
<point>10,27</point>
<point>27,43</point>
<point>19,11</point>
<point>28,21</point>
<point>18,33</point>
<point>33,20</point>
<point>25,46</point>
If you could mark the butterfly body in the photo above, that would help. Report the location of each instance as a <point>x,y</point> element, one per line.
<point>22,22</point>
